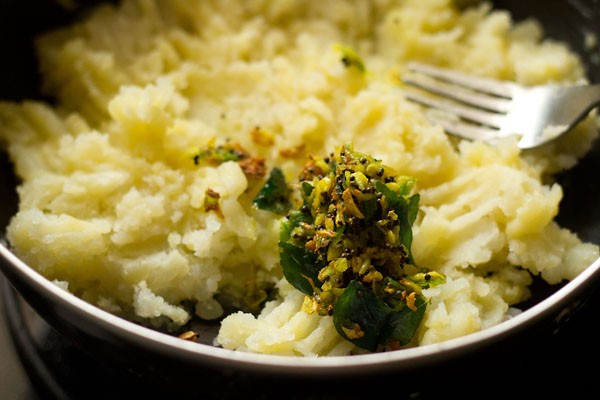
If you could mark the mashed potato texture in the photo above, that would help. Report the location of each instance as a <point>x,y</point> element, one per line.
<point>114,208</point>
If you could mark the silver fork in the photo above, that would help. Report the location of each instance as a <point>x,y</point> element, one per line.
<point>486,109</point>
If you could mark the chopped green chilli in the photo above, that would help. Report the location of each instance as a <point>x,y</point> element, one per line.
<point>351,59</point>
<point>215,155</point>
<point>348,248</point>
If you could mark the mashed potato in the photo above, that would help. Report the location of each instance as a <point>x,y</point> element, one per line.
<point>114,208</point>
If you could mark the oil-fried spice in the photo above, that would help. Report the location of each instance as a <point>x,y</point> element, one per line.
<point>348,248</point>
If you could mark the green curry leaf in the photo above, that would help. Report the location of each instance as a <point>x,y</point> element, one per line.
<point>300,267</point>
<point>406,209</point>
<point>274,195</point>
<point>404,323</point>
<point>359,316</point>
<point>368,321</point>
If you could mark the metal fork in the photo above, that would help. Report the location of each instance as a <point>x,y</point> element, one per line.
<point>486,109</point>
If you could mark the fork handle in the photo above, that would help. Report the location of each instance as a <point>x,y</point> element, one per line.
<point>576,101</point>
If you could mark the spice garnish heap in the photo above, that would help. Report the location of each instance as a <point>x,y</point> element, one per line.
<point>348,248</point>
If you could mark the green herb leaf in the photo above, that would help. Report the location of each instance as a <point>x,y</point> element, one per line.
<point>368,321</point>
<point>307,188</point>
<point>300,267</point>
<point>369,208</point>
<point>274,195</point>
<point>406,209</point>
<point>402,325</point>
<point>359,316</point>
<point>293,220</point>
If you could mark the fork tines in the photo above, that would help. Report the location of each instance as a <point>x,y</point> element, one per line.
<point>480,103</point>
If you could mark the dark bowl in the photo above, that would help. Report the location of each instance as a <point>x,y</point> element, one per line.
<point>153,359</point>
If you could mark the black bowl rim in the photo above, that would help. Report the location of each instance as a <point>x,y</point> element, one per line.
<point>102,323</point>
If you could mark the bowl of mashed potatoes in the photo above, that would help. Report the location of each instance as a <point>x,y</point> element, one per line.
<point>165,160</point>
